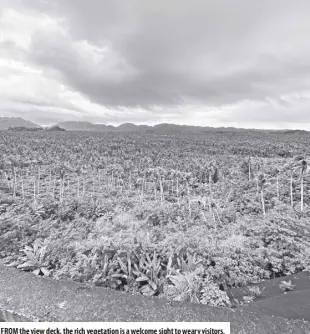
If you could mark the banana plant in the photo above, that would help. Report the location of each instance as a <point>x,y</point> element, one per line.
<point>190,264</point>
<point>35,258</point>
<point>149,270</point>
<point>125,272</point>
<point>183,281</point>
<point>109,275</point>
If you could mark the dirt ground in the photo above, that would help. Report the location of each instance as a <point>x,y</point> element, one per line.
<point>293,304</point>
<point>44,299</point>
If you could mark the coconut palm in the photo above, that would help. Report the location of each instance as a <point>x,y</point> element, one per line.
<point>302,164</point>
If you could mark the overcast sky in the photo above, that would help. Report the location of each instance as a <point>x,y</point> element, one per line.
<point>243,63</point>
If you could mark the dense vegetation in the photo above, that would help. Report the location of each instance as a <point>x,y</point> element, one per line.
<point>181,217</point>
<point>23,128</point>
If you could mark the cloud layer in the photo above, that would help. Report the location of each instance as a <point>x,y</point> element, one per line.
<point>240,63</point>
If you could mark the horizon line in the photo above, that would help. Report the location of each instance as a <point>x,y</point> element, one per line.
<point>168,123</point>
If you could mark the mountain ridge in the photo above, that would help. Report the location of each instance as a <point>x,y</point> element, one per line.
<point>162,128</point>
<point>10,122</point>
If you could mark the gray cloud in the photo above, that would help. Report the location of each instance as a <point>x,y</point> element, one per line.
<point>173,53</point>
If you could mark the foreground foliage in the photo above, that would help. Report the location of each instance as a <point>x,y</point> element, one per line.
<point>180,218</point>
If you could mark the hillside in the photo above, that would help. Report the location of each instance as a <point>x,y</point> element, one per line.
<point>159,129</point>
<point>163,128</point>
<point>16,122</point>
<point>77,126</point>
<point>55,128</point>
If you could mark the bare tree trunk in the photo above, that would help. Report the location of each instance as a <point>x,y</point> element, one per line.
<point>14,186</point>
<point>60,190</point>
<point>249,169</point>
<point>210,194</point>
<point>63,187</point>
<point>39,175</point>
<point>161,190</point>
<point>99,181</point>
<point>189,200</point>
<point>214,219</point>
<point>302,193</point>
<point>178,192</point>
<point>263,202</point>
<point>54,187</point>
<point>142,188</point>
<point>34,188</point>
<point>218,217</point>
<point>291,189</point>
<point>22,181</point>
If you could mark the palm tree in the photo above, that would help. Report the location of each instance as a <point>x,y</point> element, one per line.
<point>304,167</point>
<point>302,164</point>
<point>291,186</point>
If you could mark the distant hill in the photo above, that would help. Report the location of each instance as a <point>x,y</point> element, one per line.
<point>103,127</point>
<point>87,126</point>
<point>77,126</point>
<point>55,128</point>
<point>19,124</point>
<point>15,122</point>
<point>164,128</point>
<point>127,127</point>
<point>132,127</point>
<point>296,132</point>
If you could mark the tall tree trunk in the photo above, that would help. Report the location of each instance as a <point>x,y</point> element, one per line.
<point>263,202</point>
<point>249,168</point>
<point>189,200</point>
<point>84,187</point>
<point>15,182</point>
<point>210,193</point>
<point>99,181</point>
<point>291,189</point>
<point>22,181</point>
<point>50,183</point>
<point>39,176</point>
<point>302,193</point>
<point>178,192</point>
<point>142,188</point>
<point>34,188</point>
<point>161,190</point>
